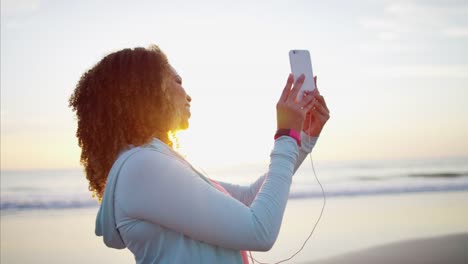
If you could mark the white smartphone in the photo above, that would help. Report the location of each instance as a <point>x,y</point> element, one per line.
<point>302,64</point>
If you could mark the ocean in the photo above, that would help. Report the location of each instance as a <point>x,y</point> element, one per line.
<point>68,188</point>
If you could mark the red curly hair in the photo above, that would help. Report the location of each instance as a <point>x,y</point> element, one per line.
<point>123,100</point>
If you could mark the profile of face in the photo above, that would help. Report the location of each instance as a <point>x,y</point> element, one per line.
<point>180,99</point>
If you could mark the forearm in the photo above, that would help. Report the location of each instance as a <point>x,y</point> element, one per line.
<point>307,145</point>
<point>246,194</point>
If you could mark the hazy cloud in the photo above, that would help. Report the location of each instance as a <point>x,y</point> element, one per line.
<point>13,8</point>
<point>437,18</point>
<point>456,32</point>
<point>434,71</point>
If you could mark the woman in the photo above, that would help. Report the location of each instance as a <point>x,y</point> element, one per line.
<point>153,201</point>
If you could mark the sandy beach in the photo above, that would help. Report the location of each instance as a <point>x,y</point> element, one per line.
<point>351,224</point>
<point>353,230</point>
<point>432,250</point>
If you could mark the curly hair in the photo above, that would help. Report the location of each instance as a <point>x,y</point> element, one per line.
<point>123,100</point>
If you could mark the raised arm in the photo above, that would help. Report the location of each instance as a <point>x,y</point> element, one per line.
<point>160,189</point>
<point>313,124</point>
<point>246,194</point>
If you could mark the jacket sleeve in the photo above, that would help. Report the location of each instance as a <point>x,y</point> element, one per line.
<point>246,194</point>
<point>160,189</point>
<point>307,145</point>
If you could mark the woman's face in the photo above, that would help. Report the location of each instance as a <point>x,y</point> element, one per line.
<point>181,100</point>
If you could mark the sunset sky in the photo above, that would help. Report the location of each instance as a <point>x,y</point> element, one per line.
<point>394,73</point>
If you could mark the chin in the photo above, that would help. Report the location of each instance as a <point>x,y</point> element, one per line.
<point>184,125</point>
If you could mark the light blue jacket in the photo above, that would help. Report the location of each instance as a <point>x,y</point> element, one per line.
<point>164,211</point>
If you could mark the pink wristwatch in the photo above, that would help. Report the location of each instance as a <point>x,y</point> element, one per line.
<point>289,132</point>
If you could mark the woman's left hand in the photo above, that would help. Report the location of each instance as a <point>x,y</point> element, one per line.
<point>318,116</point>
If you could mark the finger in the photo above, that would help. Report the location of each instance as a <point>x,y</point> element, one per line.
<point>287,88</point>
<point>320,108</point>
<point>306,100</point>
<point>320,118</point>
<point>323,118</point>
<point>310,104</point>
<point>296,88</point>
<point>316,90</point>
<point>321,99</point>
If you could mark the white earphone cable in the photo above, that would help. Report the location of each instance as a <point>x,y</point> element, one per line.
<point>313,229</point>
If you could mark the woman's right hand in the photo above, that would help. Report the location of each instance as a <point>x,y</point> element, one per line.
<point>290,113</point>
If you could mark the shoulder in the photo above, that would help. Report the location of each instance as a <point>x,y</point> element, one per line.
<point>148,160</point>
<point>149,170</point>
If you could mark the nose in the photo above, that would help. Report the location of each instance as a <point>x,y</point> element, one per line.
<point>189,99</point>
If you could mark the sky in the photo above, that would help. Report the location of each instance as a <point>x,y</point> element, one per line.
<point>393,73</point>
